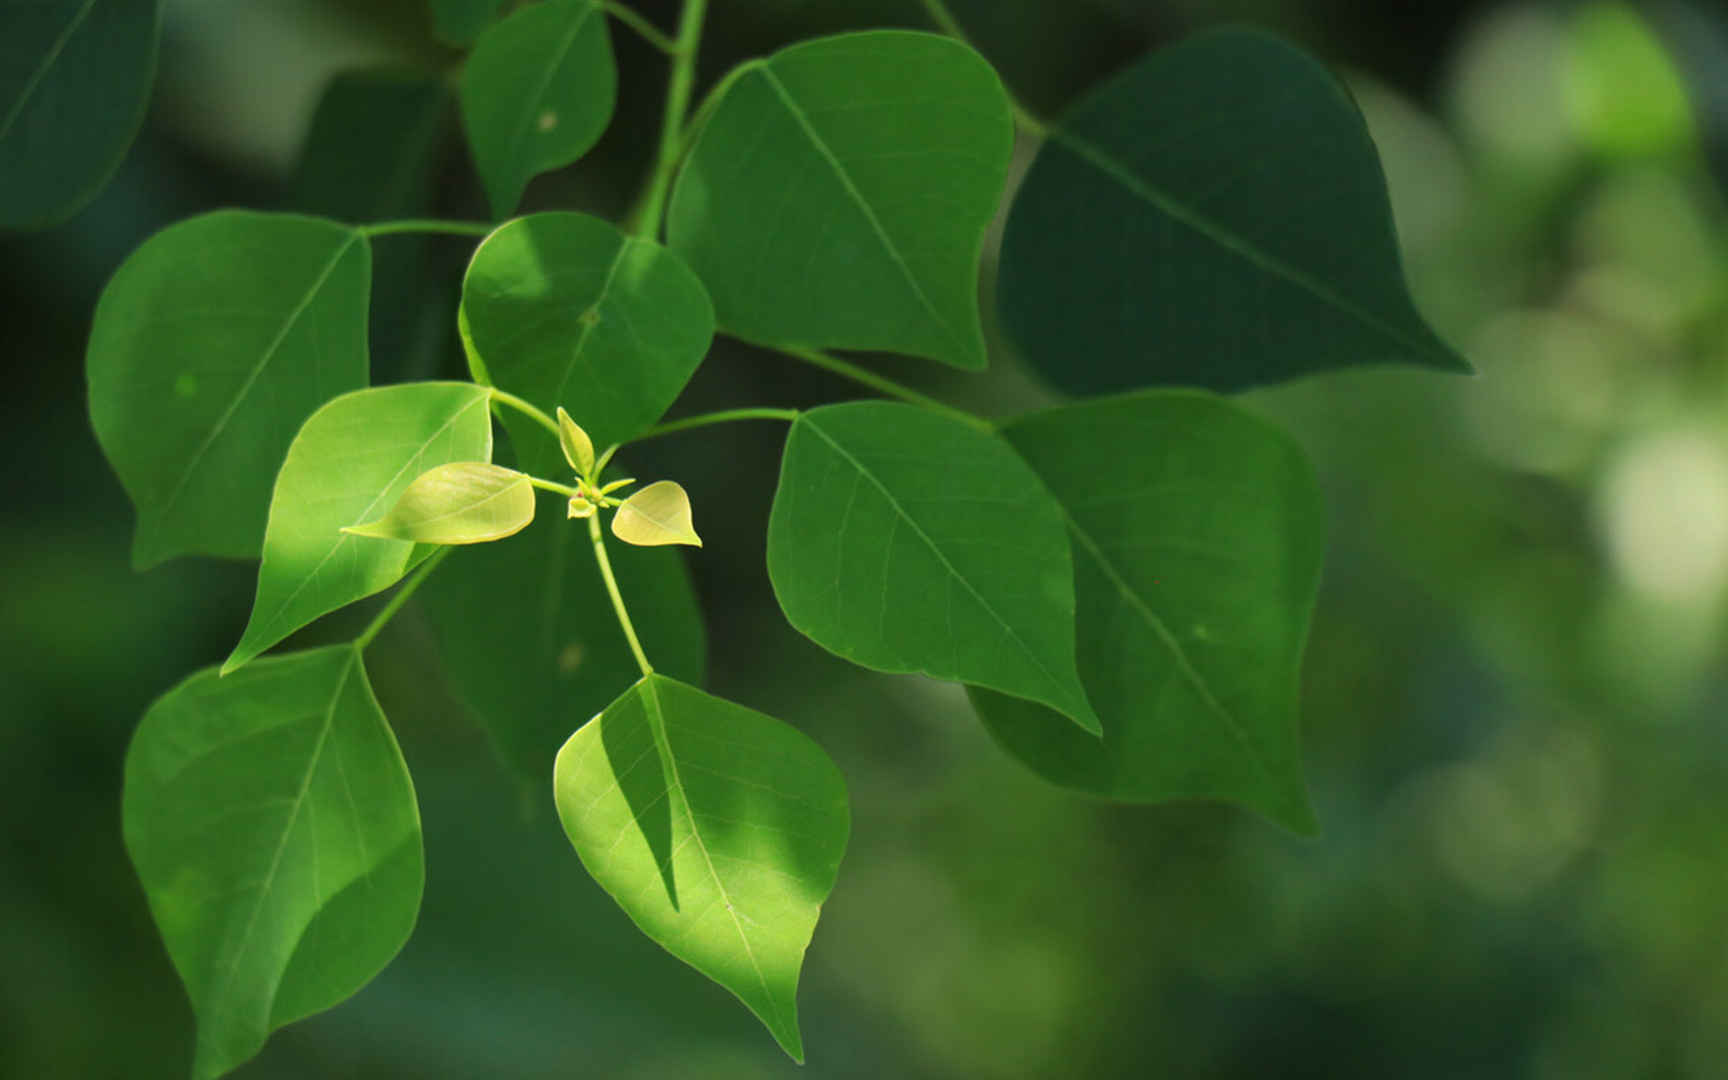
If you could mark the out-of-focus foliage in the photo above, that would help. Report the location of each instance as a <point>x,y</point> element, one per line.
<point>1512,700</point>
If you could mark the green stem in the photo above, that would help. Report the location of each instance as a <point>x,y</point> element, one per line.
<point>680,84</point>
<point>617,598</point>
<point>722,417</point>
<point>427,225</point>
<point>526,408</point>
<point>407,590</point>
<point>645,29</point>
<point>848,370</point>
<point>948,24</point>
<point>551,485</point>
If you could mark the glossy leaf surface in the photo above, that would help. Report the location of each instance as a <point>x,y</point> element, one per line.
<point>1214,216</point>
<point>717,829</point>
<point>659,514</point>
<point>75,79</point>
<point>565,310</point>
<point>906,541</point>
<point>465,503</point>
<point>273,824</point>
<point>1198,537</point>
<point>537,92</point>
<point>211,344</point>
<point>839,193</point>
<point>353,459</point>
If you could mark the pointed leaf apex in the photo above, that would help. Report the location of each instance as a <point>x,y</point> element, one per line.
<point>658,514</point>
<point>578,447</point>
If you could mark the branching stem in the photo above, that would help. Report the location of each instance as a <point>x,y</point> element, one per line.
<point>617,598</point>
<point>388,612</point>
<point>526,408</point>
<point>848,370</point>
<point>680,84</point>
<point>723,417</point>
<point>552,485</point>
<point>646,30</point>
<point>426,225</point>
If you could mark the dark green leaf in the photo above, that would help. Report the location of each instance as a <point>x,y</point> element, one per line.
<point>459,22</point>
<point>717,829</point>
<point>273,825</point>
<point>537,93</point>
<point>211,345</point>
<point>1215,216</point>
<point>374,143</point>
<point>838,195</point>
<point>528,637</point>
<point>906,541</point>
<point>75,78</point>
<point>349,464</point>
<point>565,310</point>
<point>1198,537</point>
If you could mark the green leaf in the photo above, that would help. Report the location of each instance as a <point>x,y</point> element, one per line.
<point>459,22</point>
<point>578,447</point>
<point>374,146</point>
<point>75,79</point>
<point>839,194</point>
<point>211,345</point>
<point>565,310</point>
<point>528,638</point>
<point>1198,537</point>
<point>354,457</point>
<point>537,93</point>
<point>905,541</point>
<point>465,503</point>
<point>272,822</point>
<point>658,514</point>
<point>1214,216</point>
<point>717,829</point>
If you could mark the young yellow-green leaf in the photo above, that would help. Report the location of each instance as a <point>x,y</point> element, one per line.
<point>537,92</point>
<point>352,459</point>
<point>75,78</point>
<point>528,639</point>
<point>658,514</point>
<point>565,310</point>
<point>466,503</point>
<point>839,194</point>
<point>1198,536</point>
<point>272,822</point>
<point>212,343</point>
<point>459,22</point>
<point>717,829</point>
<point>1214,216</point>
<point>578,448</point>
<point>906,541</point>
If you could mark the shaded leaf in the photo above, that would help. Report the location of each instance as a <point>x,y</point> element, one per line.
<point>459,22</point>
<point>1214,216</point>
<point>211,345</point>
<point>658,514</point>
<point>465,503</point>
<point>273,824</point>
<point>906,541</point>
<point>717,829</point>
<point>839,193</point>
<point>1198,538</point>
<point>355,457</point>
<point>373,146</point>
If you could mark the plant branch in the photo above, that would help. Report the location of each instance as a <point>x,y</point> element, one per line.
<point>526,408</point>
<point>646,30</point>
<point>407,590</point>
<point>427,225</point>
<point>617,598</point>
<point>848,370</point>
<point>682,81</point>
<point>551,485</point>
<point>948,24</point>
<point>723,417</point>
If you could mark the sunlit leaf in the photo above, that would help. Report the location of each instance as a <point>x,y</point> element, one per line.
<point>839,193</point>
<point>211,345</point>
<point>272,822</point>
<point>717,829</point>
<point>906,541</point>
<point>465,503</point>
<point>658,514</point>
<point>578,447</point>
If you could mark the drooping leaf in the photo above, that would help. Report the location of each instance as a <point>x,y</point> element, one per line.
<point>459,22</point>
<point>717,829</point>
<point>374,142</point>
<point>528,638</point>
<point>659,514</point>
<point>211,345</point>
<point>906,541</point>
<point>75,78</point>
<point>578,447</point>
<point>1214,216</point>
<point>537,92</point>
<point>1198,537</point>
<point>465,503</point>
<point>839,194</point>
<point>565,310</point>
<point>273,824</point>
<point>353,459</point>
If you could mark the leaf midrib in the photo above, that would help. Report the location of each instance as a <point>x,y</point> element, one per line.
<point>587,331</point>
<point>537,100</point>
<point>49,59</point>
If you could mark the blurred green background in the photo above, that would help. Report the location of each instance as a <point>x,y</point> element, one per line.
<point>1514,694</point>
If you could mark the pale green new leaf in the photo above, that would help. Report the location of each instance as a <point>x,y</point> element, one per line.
<point>465,503</point>
<point>578,447</point>
<point>211,345</point>
<point>353,459</point>
<point>907,541</point>
<point>273,824</point>
<point>1198,537</point>
<point>537,92</point>
<point>658,514</point>
<point>839,193</point>
<point>717,829</point>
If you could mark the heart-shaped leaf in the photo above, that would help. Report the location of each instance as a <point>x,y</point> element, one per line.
<point>465,503</point>
<point>658,514</point>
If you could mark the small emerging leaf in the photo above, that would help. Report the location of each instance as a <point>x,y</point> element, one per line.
<point>658,514</point>
<point>578,448</point>
<point>469,502</point>
<point>580,507</point>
